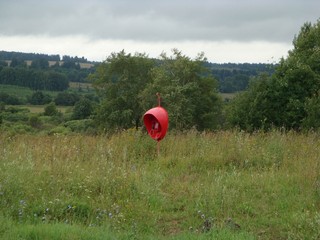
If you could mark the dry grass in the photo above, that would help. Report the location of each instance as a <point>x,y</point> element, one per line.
<point>266,183</point>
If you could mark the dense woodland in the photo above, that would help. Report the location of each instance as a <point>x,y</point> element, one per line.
<point>39,75</point>
<point>283,95</point>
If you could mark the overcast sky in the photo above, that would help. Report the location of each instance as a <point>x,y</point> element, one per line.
<point>255,31</point>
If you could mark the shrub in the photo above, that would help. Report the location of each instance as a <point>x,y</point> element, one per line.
<point>82,109</point>
<point>38,98</point>
<point>51,110</point>
<point>35,122</point>
<point>80,126</point>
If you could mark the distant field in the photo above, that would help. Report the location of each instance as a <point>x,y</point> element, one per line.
<point>21,92</point>
<point>15,90</point>
<point>228,95</point>
<point>40,108</point>
<point>24,92</point>
<point>52,63</point>
<point>83,86</point>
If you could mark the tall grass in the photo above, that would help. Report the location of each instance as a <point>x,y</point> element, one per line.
<point>226,185</point>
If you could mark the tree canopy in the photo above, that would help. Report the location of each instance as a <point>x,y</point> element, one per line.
<point>128,84</point>
<point>286,98</point>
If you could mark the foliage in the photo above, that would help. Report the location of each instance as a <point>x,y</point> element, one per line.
<point>14,114</point>
<point>189,92</point>
<point>35,121</point>
<point>234,77</point>
<point>81,126</point>
<point>312,107</point>
<point>59,130</point>
<point>281,100</point>
<point>51,110</point>
<point>39,98</point>
<point>40,63</point>
<point>128,84</point>
<point>66,99</point>
<point>119,81</point>
<point>5,55</point>
<point>17,62</point>
<point>56,81</point>
<point>254,186</point>
<point>2,107</point>
<point>34,79</point>
<point>10,99</point>
<point>82,109</point>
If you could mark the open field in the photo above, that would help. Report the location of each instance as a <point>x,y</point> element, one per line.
<point>84,86</point>
<point>40,108</point>
<point>223,185</point>
<point>227,96</point>
<point>22,92</point>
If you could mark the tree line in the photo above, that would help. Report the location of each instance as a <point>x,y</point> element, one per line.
<point>5,55</point>
<point>235,77</point>
<point>284,96</point>
<point>288,99</point>
<point>40,76</point>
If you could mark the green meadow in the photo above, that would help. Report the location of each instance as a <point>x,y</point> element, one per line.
<point>222,185</point>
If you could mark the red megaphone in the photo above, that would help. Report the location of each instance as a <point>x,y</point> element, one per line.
<point>156,121</point>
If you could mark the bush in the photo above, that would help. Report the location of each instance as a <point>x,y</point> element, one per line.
<point>13,114</point>
<point>9,99</point>
<point>82,109</point>
<point>60,130</point>
<point>17,128</point>
<point>51,110</point>
<point>81,126</point>
<point>66,99</point>
<point>35,122</point>
<point>38,98</point>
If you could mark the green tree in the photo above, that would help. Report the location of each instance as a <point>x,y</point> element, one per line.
<point>189,92</point>
<point>66,99</point>
<point>3,64</point>
<point>119,82</point>
<point>40,63</point>
<point>51,110</point>
<point>82,109</point>
<point>17,62</point>
<point>281,100</point>
<point>56,81</point>
<point>39,98</point>
<point>2,106</point>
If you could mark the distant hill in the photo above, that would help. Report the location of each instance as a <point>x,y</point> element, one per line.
<point>4,55</point>
<point>52,59</point>
<point>232,77</point>
<point>235,77</point>
<point>83,65</point>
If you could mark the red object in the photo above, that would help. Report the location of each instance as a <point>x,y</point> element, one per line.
<point>156,121</point>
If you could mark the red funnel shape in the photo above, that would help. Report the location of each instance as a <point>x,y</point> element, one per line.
<point>156,121</point>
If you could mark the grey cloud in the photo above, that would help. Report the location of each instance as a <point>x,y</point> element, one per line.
<point>166,20</point>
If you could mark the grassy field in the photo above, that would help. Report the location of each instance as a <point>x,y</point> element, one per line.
<point>85,87</point>
<point>227,96</point>
<point>24,92</point>
<point>224,185</point>
<point>21,92</point>
<point>40,108</point>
